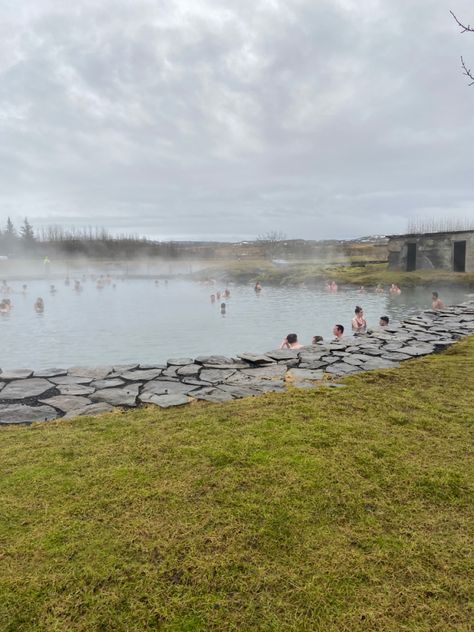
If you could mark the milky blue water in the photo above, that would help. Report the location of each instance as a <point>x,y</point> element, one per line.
<point>138,321</point>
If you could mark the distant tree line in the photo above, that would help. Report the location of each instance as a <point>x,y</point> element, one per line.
<point>93,242</point>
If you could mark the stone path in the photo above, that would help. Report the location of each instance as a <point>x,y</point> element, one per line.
<point>27,396</point>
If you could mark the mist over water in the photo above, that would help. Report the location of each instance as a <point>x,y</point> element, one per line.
<point>141,322</point>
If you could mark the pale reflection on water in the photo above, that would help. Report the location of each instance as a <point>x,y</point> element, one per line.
<point>139,321</point>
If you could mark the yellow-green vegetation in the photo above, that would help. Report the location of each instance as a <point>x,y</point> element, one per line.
<point>310,272</point>
<point>317,510</point>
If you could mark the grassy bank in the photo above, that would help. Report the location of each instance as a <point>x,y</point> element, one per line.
<point>310,273</point>
<point>323,510</point>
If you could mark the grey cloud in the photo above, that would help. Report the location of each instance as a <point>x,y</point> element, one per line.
<point>214,118</point>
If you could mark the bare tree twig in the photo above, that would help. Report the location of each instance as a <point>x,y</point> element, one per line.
<point>467,71</point>
<point>463,27</point>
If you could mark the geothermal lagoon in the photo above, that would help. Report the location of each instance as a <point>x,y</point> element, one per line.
<point>138,320</point>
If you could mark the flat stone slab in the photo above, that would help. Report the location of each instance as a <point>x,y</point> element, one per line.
<point>164,401</point>
<point>212,395</point>
<point>216,376</point>
<point>21,414</point>
<point>25,388</point>
<point>274,371</point>
<point>114,382</point>
<point>49,373</point>
<point>126,396</point>
<point>238,392</point>
<point>379,363</point>
<point>394,356</point>
<point>92,409</point>
<point>190,370</point>
<point>70,379</point>
<point>417,351</point>
<point>282,354</point>
<point>255,358</point>
<point>65,403</point>
<point>161,387</point>
<point>140,375</point>
<point>179,361</point>
<point>95,373</point>
<point>341,368</point>
<point>75,389</point>
<point>16,374</point>
<point>213,359</point>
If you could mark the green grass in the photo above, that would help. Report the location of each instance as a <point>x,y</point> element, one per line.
<point>324,510</point>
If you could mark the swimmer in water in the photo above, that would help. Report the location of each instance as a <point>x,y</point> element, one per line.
<point>379,289</point>
<point>258,287</point>
<point>358,322</point>
<point>383,321</point>
<point>39,305</point>
<point>226,293</point>
<point>316,340</point>
<point>4,307</point>
<point>436,303</point>
<point>24,288</point>
<point>52,289</point>
<point>223,308</point>
<point>213,298</point>
<point>338,332</point>
<point>290,342</point>
<point>334,287</point>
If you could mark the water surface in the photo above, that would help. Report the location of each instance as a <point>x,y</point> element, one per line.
<point>138,321</point>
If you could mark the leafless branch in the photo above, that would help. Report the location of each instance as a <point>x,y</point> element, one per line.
<point>463,27</point>
<point>467,71</point>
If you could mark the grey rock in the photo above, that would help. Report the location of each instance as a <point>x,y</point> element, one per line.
<point>2,384</point>
<point>189,370</point>
<point>309,358</point>
<point>329,359</point>
<point>65,403</point>
<point>195,382</point>
<point>75,389</point>
<point>49,373</point>
<point>164,401</point>
<point>147,367</point>
<point>238,392</point>
<point>70,379</point>
<point>274,371</point>
<point>353,360</point>
<point>179,361</point>
<point>16,374</point>
<point>92,409</point>
<point>255,358</point>
<point>393,346</point>
<point>171,371</point>
<point>440,345</point>
<point>395,356</point>
<point>140,375</point>
<point>26,388</point>
<point>161,387</point>
<point>95,373</point>
<point>213,359</point>
<point>114,382</point>
<point>341,368</point>
<point>216,376</point>
<point>282,354</point>
<point>212,395</point>
<point>312,365</point>
<point>238,364</point>
<point>417,351</point>
<point>20,414</point>
<point>126,396</point>
<point>121,368</point>
<point>379,363</point>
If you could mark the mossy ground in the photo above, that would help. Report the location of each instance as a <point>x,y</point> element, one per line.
<point>316,510</point>
<point>317,274</point>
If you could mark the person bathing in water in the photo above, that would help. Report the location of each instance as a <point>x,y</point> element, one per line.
<point>436,303</point>
<point>290,342</point>
<point>358,322</point>
<point>258,287</point>
<point>338,332</point>
<point>383,321</point>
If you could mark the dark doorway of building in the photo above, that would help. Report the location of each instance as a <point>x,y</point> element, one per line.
<point>411,257</point>
<point>459,256</point>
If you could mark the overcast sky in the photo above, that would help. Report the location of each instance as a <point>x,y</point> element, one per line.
<point>223,119</point>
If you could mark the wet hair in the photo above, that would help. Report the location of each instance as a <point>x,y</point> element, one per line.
<point>385,319</point>
<point>317,339</point>
<point>340,328</point>
<point>222,305</point>
<point>358,309</point>
<point>292,338</point>
<point>435,294</point>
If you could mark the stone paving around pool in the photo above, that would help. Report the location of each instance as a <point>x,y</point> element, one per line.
<point>27,396</point>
